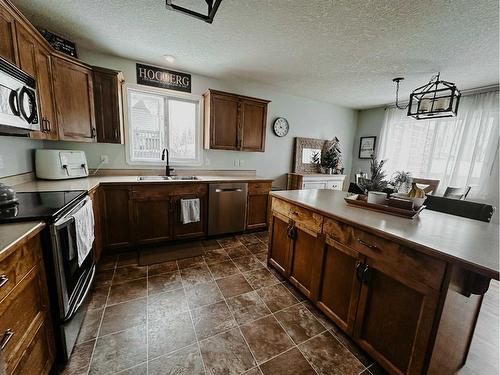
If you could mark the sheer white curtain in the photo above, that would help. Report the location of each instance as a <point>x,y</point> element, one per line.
<point>458,151</point>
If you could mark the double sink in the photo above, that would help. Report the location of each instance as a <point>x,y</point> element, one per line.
<point>168,178</point>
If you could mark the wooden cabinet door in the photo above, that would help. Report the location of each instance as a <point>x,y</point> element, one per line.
<point>279,244</point>
<point>257,211</point>
<point>8,45</point>
<point>305,264</point>
<point>394,318</point>
<point>152,215</point>
<point>224,122</point>
<point>26,46</point>
<point>96,207</point>
<point>117,217</point>
<point>190,230</point>
<point>253,125</point>
<point>45,94</point>
<point>74,97</point>
<point>108,105</point>
<point>339,286</point>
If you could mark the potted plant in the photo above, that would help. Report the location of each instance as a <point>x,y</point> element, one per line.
<point>331,158</point>
<point>401,180</point>
<point>377,181</point>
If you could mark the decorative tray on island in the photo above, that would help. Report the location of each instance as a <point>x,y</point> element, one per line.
<point>359,200</point>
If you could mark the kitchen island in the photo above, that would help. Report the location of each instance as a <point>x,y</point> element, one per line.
<point>408,291</point>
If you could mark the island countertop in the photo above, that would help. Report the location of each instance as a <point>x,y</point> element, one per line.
<point>471,243</point>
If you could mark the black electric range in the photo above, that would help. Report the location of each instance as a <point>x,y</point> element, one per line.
<point>46,205</point>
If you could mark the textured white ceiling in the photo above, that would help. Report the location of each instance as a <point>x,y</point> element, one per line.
<point>344,51</point>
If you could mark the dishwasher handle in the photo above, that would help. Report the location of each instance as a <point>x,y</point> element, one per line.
<point>228,190</point>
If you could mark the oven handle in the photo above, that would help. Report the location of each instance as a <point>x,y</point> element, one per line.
<point>68,218</point>
<point>82,298</point>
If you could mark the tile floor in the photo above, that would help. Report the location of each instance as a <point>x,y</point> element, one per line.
<point>225,312</point>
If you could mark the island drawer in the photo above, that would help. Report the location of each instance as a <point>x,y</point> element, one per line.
<point>307,218</point>
<point>420,267</point>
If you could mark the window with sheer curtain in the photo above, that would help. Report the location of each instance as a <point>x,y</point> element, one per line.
<point>459,151</point>
<point>159,119</point>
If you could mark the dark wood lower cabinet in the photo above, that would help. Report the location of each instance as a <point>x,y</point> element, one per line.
<point>394,318</point>
<point>152,215</point>
<point>189,230</point>
<point>339,285</point>
<point>279,251</point>
<point>117,216</point>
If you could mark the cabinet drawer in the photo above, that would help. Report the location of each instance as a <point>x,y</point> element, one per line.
<point>160,191</point>
<point>255,188</point>
<point>307,218</point>
<point>26,304</point>
<point>18,264</point>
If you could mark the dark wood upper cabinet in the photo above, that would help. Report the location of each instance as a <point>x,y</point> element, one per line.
<point>74,98</point>
<point>234,122</point>
<point>108,105</point>
<point>8,45</point>
<point>26,46</point>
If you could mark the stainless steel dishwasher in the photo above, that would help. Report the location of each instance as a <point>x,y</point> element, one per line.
<point>227,208</point>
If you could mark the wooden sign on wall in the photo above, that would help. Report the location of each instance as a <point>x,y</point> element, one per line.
<point>163,78</point>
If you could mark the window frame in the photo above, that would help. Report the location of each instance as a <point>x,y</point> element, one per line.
<point>186,97</point>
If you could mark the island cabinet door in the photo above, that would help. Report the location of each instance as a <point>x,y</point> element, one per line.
<point>306,253</point>
<point>340,284</point>
<point>394,318</point>
<point>152,218</point>
<point>279,249</point>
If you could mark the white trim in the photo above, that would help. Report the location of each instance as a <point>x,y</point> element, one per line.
<point>169,93</point>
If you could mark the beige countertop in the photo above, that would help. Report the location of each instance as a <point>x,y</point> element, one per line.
<point>472,243</point>
<point>89,183</point>
<point>11,233</point>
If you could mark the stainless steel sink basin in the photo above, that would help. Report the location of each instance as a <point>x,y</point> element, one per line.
<point>153,178</point>
<point>184,178</point>
<point>167,178</point>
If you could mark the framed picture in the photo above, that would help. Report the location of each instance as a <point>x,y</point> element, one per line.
<point>367,147</point>
<point>305,149</point>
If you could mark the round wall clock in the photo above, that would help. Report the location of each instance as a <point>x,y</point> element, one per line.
<point>281,127</point>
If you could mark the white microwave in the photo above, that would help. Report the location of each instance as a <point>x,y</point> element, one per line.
<point>18,100</point>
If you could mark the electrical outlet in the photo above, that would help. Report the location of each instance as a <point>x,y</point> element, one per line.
<point>207,161</point>
<point>242,162</point>
<point>104,159</point>
<point>2,166</point>
<point>236,163</point>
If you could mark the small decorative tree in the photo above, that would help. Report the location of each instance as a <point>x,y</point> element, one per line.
<point>377,181</point>
<point>332,156</point>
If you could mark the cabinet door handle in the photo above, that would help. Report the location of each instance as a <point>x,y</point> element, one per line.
<point>370,246</point>
<point>359,270</point>
<point>6,338</point>
<point>92,133</point>
<point>116,134</point>
<point>49,125</point>
<point>3,280</point>
<point>365,275</point>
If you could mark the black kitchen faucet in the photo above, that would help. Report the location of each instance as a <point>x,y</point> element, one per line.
<point>167,167</point>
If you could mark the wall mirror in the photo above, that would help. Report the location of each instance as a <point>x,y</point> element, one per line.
<point>305,149</point>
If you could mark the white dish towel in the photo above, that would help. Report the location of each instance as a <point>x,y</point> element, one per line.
<point>190,210</point>
<point>84,229</point>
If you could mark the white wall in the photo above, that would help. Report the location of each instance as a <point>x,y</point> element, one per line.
<point>17,155</point>
<point>307,118</point>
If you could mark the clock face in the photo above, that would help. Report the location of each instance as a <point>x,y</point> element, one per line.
<point>281,127</point>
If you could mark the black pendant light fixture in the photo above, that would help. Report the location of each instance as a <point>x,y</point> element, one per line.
<point>212,5</point>
<point>435,99</point>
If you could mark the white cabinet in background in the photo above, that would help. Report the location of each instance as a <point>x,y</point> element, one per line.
<point>315,181</point>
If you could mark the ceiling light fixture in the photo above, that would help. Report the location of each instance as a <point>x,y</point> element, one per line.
<point>170,59</point>
<point>435,99</point>
<point>213,5</point>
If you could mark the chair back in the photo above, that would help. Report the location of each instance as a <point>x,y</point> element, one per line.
<point>431,185</point>
<point>456,193</point>
<point>468,209</point>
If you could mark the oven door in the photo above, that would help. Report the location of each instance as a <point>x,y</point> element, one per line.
<point>73,281</point>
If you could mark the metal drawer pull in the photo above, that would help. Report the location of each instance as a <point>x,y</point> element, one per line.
<point>296,213</point>
<point>367,244</point>
<point>6,338</point>
<point>3,280</point>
